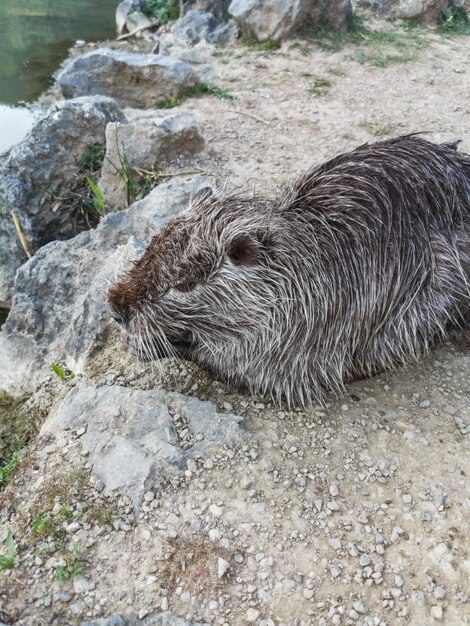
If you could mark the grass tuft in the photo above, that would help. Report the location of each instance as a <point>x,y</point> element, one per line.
<point>162,10</point>
<point>454,22</point>
<point>320,87</point>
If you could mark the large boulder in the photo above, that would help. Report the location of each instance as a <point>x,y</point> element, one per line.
<point>277,19</point>
<point>154,428</point>
<point>59,307</point>
<point>144,144</point>
<point>139,80</point>
<point>33,173</point>
<point>201,26</point>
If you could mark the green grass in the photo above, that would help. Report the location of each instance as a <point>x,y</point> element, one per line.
<point>10,559</point>
<point>92,157</point>
<point>195,92</point>
<point>268,45</point>
<point>398,43</point>
<point>376,129</point>
<point>454,23</point>
<point>320,87</point>
<point>8,468</point>
<point>162,10</point>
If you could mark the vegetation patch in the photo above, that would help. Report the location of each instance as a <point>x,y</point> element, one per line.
<point>268,45</point>
<point>162,10</point>
<point>3,315</point>
<point>398,43</point>
<point>82,202</point>
<point>320,87</point>
<point>454,22</point>
<point>14,434</point>
<point>10,558</point>
<point>196,92</point>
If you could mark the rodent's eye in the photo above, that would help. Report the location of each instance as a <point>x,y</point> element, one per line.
<point>185,286</point>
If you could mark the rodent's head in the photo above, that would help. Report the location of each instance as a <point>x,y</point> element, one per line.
<point>205,288</point>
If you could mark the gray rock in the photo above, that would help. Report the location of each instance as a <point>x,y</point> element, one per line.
<point>59,305</point>
<point>277,19</point>
<point>124,9</point>
<point>197,26</point>
<point>146,143</point>
<point>140,80</point>
<point>219,8</point>
<point>33,173</point>
<point>124,423</point>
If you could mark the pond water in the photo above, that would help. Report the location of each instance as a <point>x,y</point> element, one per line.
<point>34,38</point>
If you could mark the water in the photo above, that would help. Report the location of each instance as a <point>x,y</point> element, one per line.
<point>34,38</point>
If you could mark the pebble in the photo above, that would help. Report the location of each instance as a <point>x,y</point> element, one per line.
<point>364,560</point>
<point>334,491</point>
<point>360,607</point>
<point>436,612</point>
<point>335,544</point>
<point>164,604</point>
<point>222,567</point>
<point>424,404</point>
<point>417,597</point>
<point>252,615</point>
<point>308,594</point>
<point>399,581</point>
<point>216,510</point>
<point>439,592</point>
<point>335,570</point>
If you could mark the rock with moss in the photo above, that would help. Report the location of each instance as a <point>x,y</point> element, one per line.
<point>135,79</point>
<point>35,174</point>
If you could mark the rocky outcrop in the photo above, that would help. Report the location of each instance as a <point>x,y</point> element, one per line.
<point>146,143</point>
<point>59,307</point>
<point>276,19</point>
<point>197,26</point>
<point>115,423</point>
<point>33,173</point>
<point>139,80</point>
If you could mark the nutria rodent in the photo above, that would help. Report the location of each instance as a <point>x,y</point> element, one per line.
<point>360,264</point>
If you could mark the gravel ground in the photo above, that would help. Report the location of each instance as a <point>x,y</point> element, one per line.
<point>357,512</point>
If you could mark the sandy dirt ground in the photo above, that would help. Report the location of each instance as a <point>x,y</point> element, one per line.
<point>353,513</point>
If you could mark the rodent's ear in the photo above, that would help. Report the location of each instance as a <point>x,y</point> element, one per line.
<point>243,251</point>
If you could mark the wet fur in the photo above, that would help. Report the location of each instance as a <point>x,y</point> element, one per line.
<point>358,266</point>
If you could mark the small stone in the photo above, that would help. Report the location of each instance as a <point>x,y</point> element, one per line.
<point>424,404</point>
<point>318,504</point>
<point>439,592</point>
<point>399,581</point>
<point>164,604</point>
<point>364,560</point>
<point>417,597</point>
<point>397,532</point>
<point>73,527</point>
<point>149,496</point>
<point>335,570</point>
<point>406,498</point>
<point>436,612</point>
<point>216,510</point>
<point>214,534</point>
<point>334,491</point>
<point>333,506</point>
<point>360,607</point>
<point>252,615</point>
<point>80,584</point>
<point>222,567</point>
<point>335,544</point>
<point>308,594</point>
